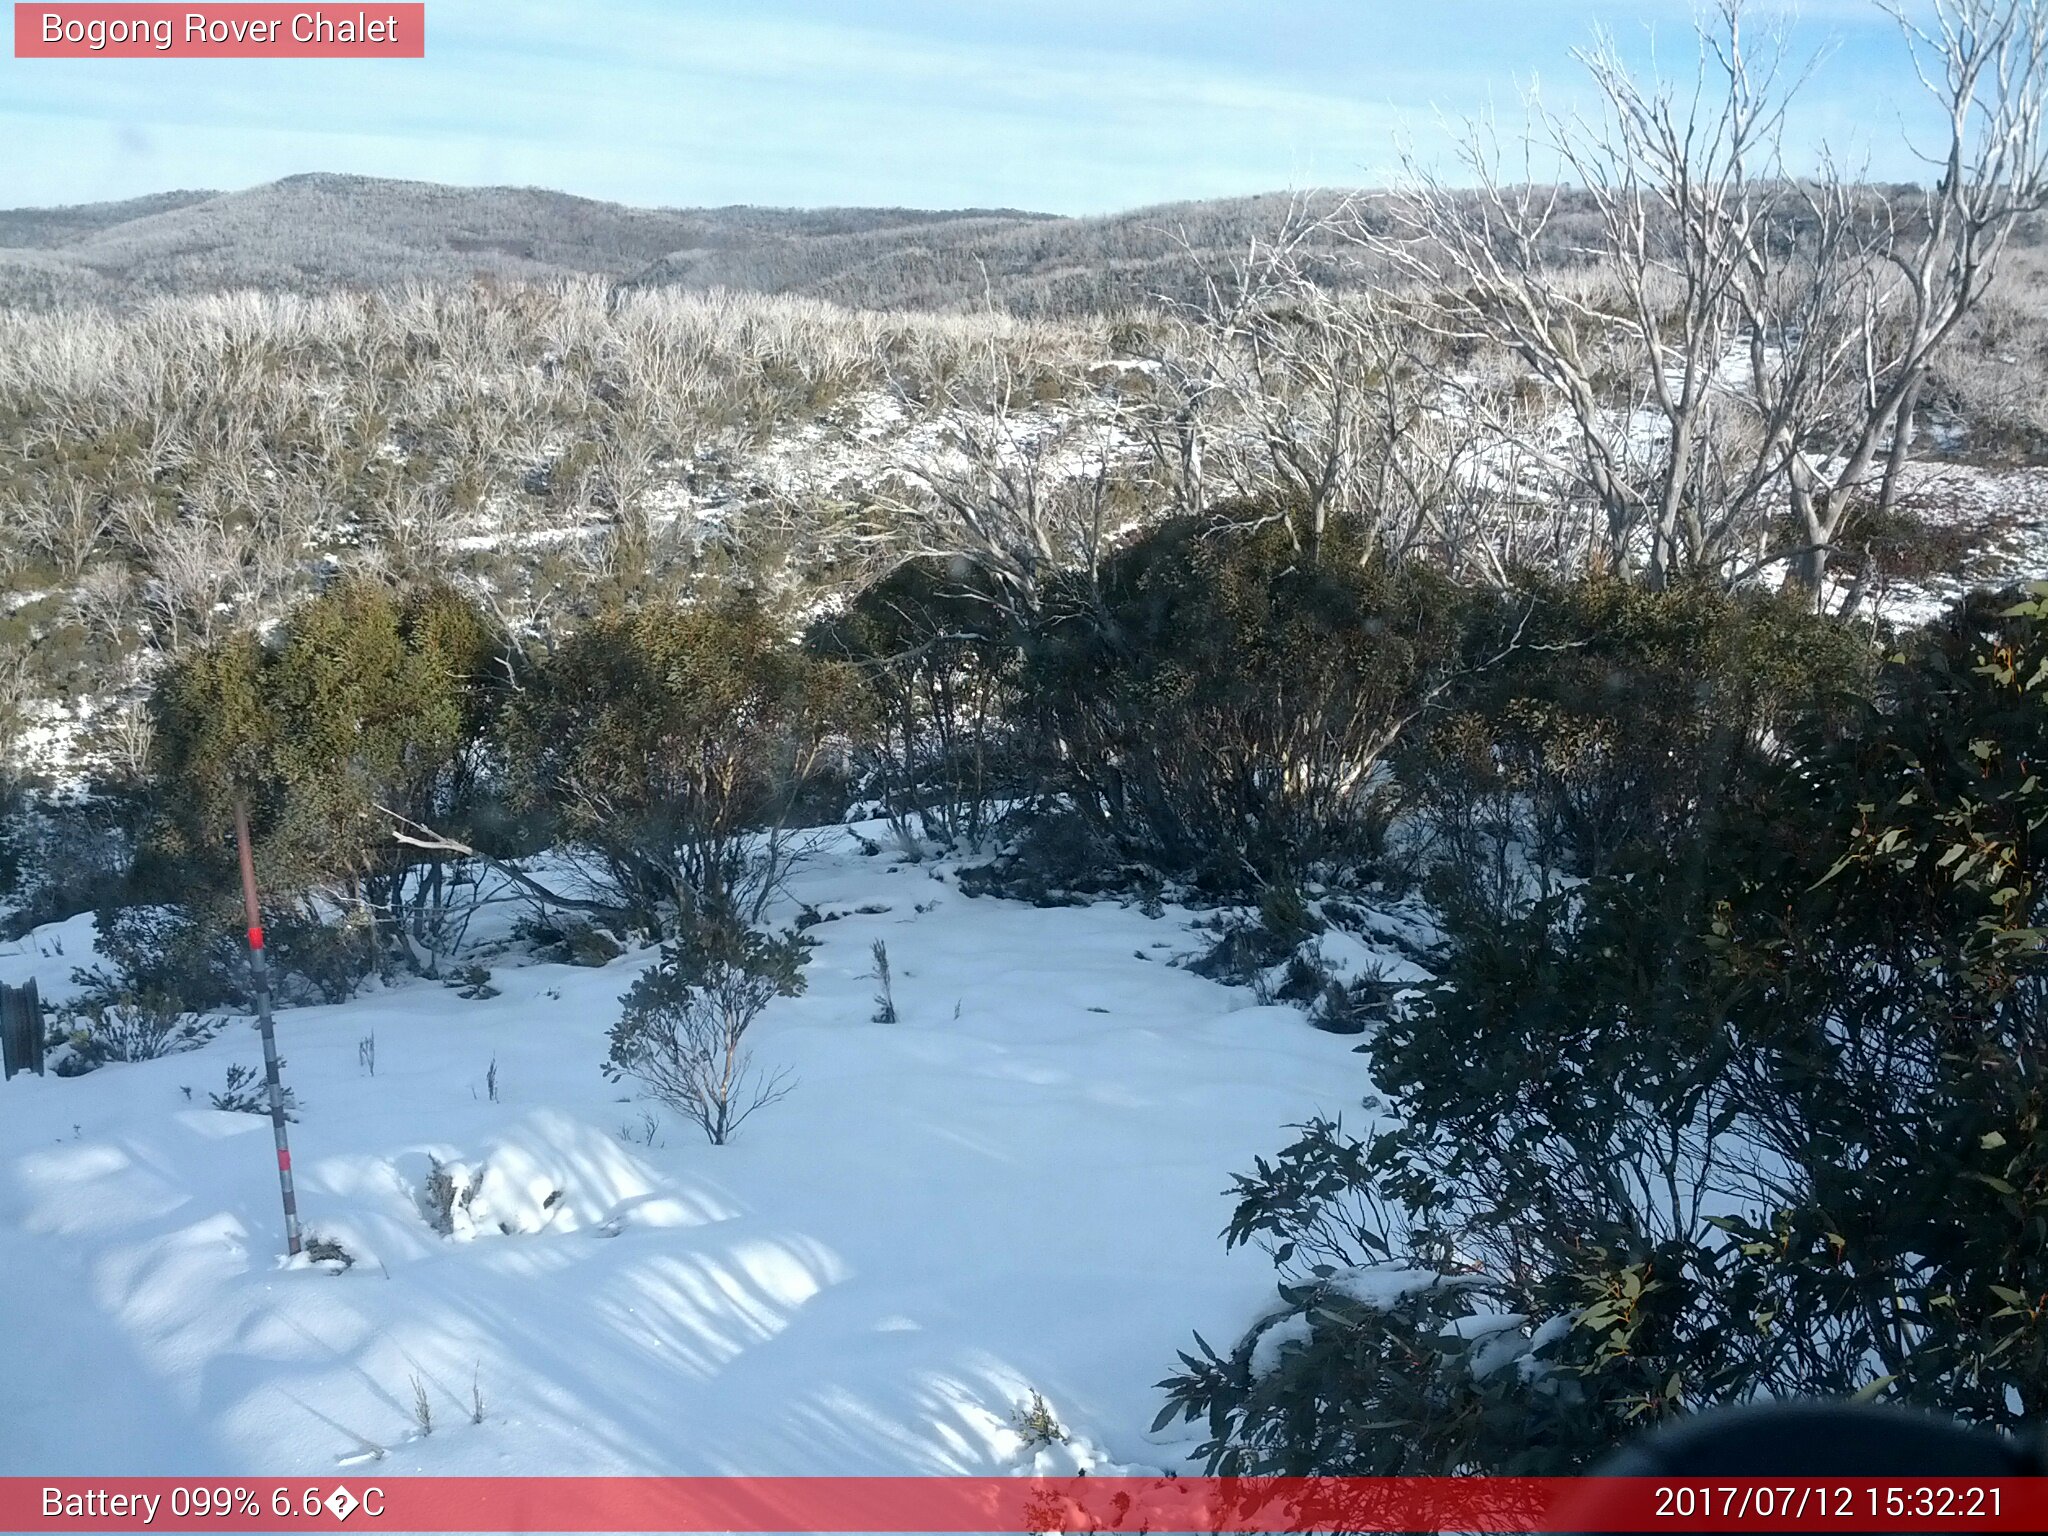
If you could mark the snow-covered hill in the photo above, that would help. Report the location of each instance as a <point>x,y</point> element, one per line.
<point>1015,1188</point>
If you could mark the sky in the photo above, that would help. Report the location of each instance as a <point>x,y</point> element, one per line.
<point>1064,106</point>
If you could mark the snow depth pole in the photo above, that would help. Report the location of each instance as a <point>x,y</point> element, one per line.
<point>261,967</point>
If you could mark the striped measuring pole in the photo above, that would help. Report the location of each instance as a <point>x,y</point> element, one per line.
<point>259,965</point>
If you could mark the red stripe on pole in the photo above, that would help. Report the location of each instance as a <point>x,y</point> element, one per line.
<point>255,938</point>
<point>284,1158</point>
<point>1104,1504</point>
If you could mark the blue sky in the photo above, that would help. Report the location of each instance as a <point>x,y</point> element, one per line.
<point>1071,106</point>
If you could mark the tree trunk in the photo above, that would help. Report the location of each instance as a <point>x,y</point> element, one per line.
<point>1902,443</point>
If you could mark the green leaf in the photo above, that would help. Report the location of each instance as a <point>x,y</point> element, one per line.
<point>1870,1390</point>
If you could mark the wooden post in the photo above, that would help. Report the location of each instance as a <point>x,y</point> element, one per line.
<point>260,968</point>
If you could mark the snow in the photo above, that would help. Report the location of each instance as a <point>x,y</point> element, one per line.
<point>1275,1338</point>
<point>1018,1187</point>
<point>1386,1285</point>
<point>2001,509</point>
<point>1497,1339</point>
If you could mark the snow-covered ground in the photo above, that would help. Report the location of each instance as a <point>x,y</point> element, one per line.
<point>1017,1187</point>
<point>2005,512</point>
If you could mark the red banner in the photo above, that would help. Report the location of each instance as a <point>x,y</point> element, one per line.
<point>1000,1504</point>
<point>100,31</point>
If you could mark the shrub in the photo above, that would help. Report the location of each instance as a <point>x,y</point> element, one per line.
<point>61,854</point>
<point>187,956</point>
<point>570,940</point>
<point>1219,705</point>
<point>940,673</point>
<point>1036,1424</point>
<point>318,958</point>
<point>1758,1115</point>
<point>1894,978</point>
<point>142,1028</point>
<point>885,990</point>
<point>673,742</point>
<point>194,954</point>
<point>1395,1352</point>
<point>683,1030</point>
<point>328,1251</point>
<point>247,1092</point>
<point>1595,718</point>
<point>1247,945</point>
<point>444,1194</point>
<point>370,700</point>
<point>473,982</point>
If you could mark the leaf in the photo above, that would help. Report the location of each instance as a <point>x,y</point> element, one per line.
<point>1991,1141</point>
<point>1870,1390</point>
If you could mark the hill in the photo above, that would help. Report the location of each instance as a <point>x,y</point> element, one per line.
<point>316,233</point>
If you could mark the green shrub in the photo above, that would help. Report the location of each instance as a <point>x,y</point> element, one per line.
<point>246,1091</point>
<point>1596,719</point>
<point>370,703</point>
<point>1756,1114</point>
<point>940,673</point>
<point>188,955</point>
<point>139,1028</point>
<point>1220,707</point>
<point>682,1032</point>
<point>673,743</point>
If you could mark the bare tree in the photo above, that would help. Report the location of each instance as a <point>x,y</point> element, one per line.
<point>1984,66</point>
<point>1019,493</point>
<point>1191,354</point>
<point>1747,341</point>
<point>195,566</point>
<point>63,523</point>
<point>1299,381</point>
<point>103,603</point>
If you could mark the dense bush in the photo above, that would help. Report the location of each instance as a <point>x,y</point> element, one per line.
<point>941,672</point>
<point>1599,718</point>
<point>1900,991</point>
<point>189,953</point>
<point>1758,1114</point>
<point>61,854</point>
<point>674,742</point>
<point>1218,707</point>
<point>368,711</point>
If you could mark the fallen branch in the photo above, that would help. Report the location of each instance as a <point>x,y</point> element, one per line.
<point>413,834</point>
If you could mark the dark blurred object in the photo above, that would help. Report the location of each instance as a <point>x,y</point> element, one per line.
<point>21,1031</point>
<point>1814,1439</point>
